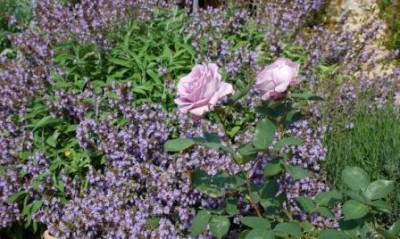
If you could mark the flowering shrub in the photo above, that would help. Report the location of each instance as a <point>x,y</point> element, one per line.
<point>93,146</point>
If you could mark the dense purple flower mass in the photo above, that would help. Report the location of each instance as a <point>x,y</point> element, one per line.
<point>116,180</point>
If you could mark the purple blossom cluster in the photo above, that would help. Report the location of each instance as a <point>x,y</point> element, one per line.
<point>90,21</point>
<point>209,30</point>
<point>141,191</point>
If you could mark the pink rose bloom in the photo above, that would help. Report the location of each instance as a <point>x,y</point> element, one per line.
<point>201,89</point>
<point>274,79</point>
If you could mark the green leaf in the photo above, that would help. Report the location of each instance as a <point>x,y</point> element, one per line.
<point>264,134</point>
<point>332,234</point>
<point>231,206</point>
<point>274,109</point>
<point>36,205</point>
<point>153,222</point>
<point>294,116</point>
<point>379,189</point>
<point>328,198</point>
<point>273,168</point>
<point>355,178</point>
<point>359,196</point>
<point>306,96</point>
<point>209,140</point>
<point>255,222</point>
<point>270,189</point>
<point>305,204</point>
<point>234,131</point>
<point>52,140</point>
<point>297,172</point>
<point>199,223</point>
<point>260,233</point>
<point>354,210</point>
<point>121,62</point>
<point>248,153</point>
<point>395,228</point>
<point>325,212</point>
<point>288,141</point>
<point>385,234</point>
<point>215,186</point>
<point>178,145</point>
<point>18,196</point>
<point>381,205</point>
<point>290,228</point>
<point>219,226</point>
<point>46,121</point>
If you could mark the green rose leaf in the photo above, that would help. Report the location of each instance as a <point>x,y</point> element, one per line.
<point>273,168</point>
<point>305,204</point>
<point>248,153</point>
<point>328,198</point>
<point>395,228</point>
<point>290,228</point>
<point>305,96</point>
<point>354,210</point>
<point>260,233</point>
<point>219,226</point>
<point>210,140</point>
<point>200,222</point>
<point>256,222</point>
<point>288,141</point>
<point>325,212</point>
<point>297,172</point>
<point>379,189</point>
<point>231,206</point>
<point>355,178</point>
<point>332,234</point>
<point>178,145</point>
<point>270,189</point>
<point>264,134</point>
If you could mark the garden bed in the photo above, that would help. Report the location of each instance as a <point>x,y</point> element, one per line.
<point>234,119</point>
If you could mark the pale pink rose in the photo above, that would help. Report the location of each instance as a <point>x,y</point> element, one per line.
<point>274,79</point>
<point>201,89</point>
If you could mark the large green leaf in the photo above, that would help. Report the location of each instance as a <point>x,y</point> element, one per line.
<point>305,204</point>
<point>306,96</point>
<point>273,168</point>
<point>270,189</point>
<point>290,228</point>
<point>355,178</point>
<point>256,222</point>
<point>219,226</point>
<point>178,145</point>
<point>288,141</point>
<point>395,228</point>
<point>353,209</point>
<point>332,234</point>
<point>325,212</point>
<point>248,153</point>
<point>379,189</point>
<point>216,185</point>
<point>328,198</point>
<point>264,134</point>
<point>297,172</point>
<point>200,222</point>
<point>260,233</point>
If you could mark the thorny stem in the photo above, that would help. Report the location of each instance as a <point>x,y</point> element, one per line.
<point>243,171</point>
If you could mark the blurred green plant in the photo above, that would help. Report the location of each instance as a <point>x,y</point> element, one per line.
<point>390,12</point>
<point>370,140</point>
